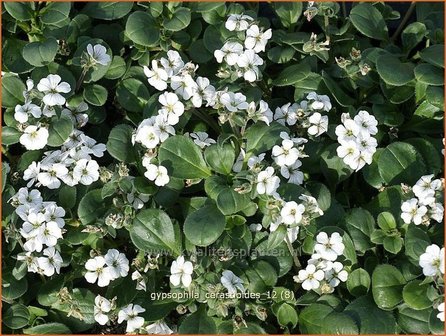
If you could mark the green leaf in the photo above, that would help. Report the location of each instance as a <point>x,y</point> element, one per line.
<point>92,207</point>
<point>41,53</point>
<point>261,276</point>
<point>12,288</point>
<point>204,226</point>
<point>17,316</point>
<point>429,74</point>
<point>59,131</point>
<point>435,96</point>
<point>386,221</point>
<point>366,314</point>
<point>414,321</point>
<point>286,315</point>
<point>153,231</point>
<point>430,154</point>
<point>369,21</point>
<point>413,34</point>
<point>358,282</point>
<point>281,55</point>
<point>388,200</point>
<point>10,135</point>
<point>132,94</point>
<point>434,55</point>
<point>338,93</point>
<point>332,166</point>
<point>292,74</point>
<point>276,238</point>
<point>435,325</point>
<point>119,143</point>
<point>312,318</point>
<point>13,60</point>
<point>183,158</point>
<point>220,157</point>
<point>48,328</point>
<point>95,94</point>
<point>67,196</point>
<point>117,68</point>
<point>288,12</point>
<point>260,137</point>
<point>393,72</point>
<point>230,202</point>
<point>179,21</point>
<point>360,225</point>
<point>12,91</point>
<point>393,244</point>
<point>415,242</point>
<point>55,12</point>
<point>21,11</point>
<point>142,29</point>
<point>339,324</point>
<point>415,295</point>
<point>387,286</point>
<point>401,163</point>
<point>198,323</point>
<point>107,10</point>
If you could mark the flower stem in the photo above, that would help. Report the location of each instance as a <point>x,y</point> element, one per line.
<point>293,253</point>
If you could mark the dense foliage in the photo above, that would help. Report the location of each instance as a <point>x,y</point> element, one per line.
<point>222,168</point>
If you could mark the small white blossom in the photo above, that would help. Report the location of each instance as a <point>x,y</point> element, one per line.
<point>34,137</point>
<point>157,77</point>
<point>267,182</point>
<point>102,307</point>
<point>231,282</point>
<point>310,277</point>
<point>52,87</point>
<point>256,39</point>
<point>412,212</point>
<point>291,213</point>
<point>238,22</point>
<point>98,54</point>
<point>158,174</point>
<point>98,271</point>
<point>432,261</point>
<point>130,314</point>
<point>329,247</point>
<point>181,272</point>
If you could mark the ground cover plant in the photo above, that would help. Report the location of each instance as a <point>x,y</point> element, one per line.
<point>222,168</point>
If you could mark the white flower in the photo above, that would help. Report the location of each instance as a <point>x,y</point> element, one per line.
<point>31,261</point>
<point>54,213</point>
<point>366,143</point>
<point>348,131</point>
<point>50,178</point>
<point>130,314</point>
<point>162,128</point>
<point>329,248</point>
<point>117,263</point>
<point>231,282</point>
<point>432,261</point>
<point>202,139</point>
<point>51,263</point>
<point>285,155</point>
<point>34,137</point>
<point>267,182</point>
<point>184,86</point>
<point>203,90</point>
<point>98,54</point>
<point>425,189</point>
<point>320,102</point>
<point>411,212</point>
<point>249,61</point>
<point>319,124</point>
<point>137,200</point>
<point>50,234</point>
<point>172,108</point>
<point>230,52</point>
<point>52,87</point>
<point>97,271</point>
<point>310,277</point>
<point>22,112</point>
<point>26,197</point>
<point>311,205</point>
<point>287,114</point>
<point>263,113</point>
<point>156,77</point>
<point>102,306</point>
<point>234,102</point>
<point>436,212</point>
<point>255,39</point>
<point>173,64</point>
<point>292,173</point>
<point>238,22</point>
<point>348,151</point>
<point>158,174</point>
<point>255,161</point>
<point>30,174</point>
<point>159,328</point>
<point>140,281</point>
<point>148,136</point>
<point>86,171</point>
<point>181,272</point>
<point>292,213</point>
<point>336,274</point>
<point>255,227</point>
<point>366,122</point>
<point>440,315</point>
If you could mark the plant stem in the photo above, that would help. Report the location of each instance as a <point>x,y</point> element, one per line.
<point>403,22</point>
<point>209,121</point>
<point>81,78</point>
<point>293,253</point>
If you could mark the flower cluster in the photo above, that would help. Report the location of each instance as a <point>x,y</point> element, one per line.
<point>240,51</point>
<point>355,136</point>
<point>42,228</point>
<point>323,273</point>
<point>425,205</point>
<point>104,269</point>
